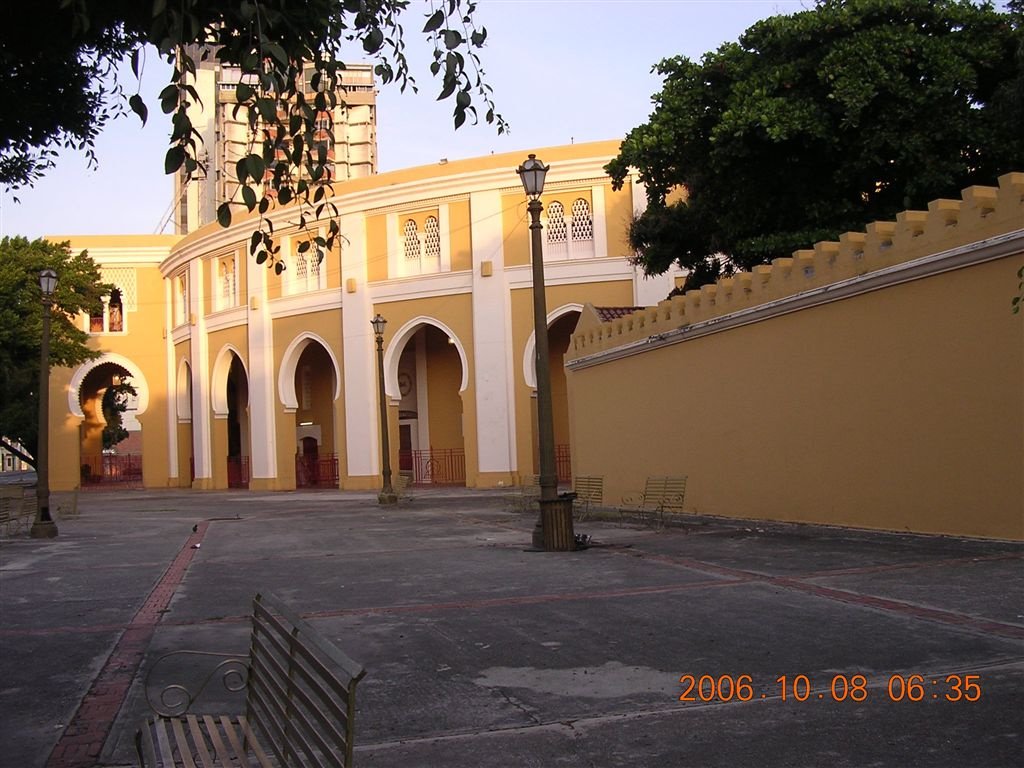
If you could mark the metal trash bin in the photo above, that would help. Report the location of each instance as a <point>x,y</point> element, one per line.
<point>556,523</point>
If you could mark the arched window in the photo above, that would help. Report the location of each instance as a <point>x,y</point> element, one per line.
<point>582,223</point>
<point>115,312</point>
<point>556,223</point>
<point>411,240</point>
<point>431,238</point>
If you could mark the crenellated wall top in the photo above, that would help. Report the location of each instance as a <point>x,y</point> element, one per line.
<point>981,213</point>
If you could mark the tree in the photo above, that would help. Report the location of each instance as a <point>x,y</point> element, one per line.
<point>816,123</point>
<point>78,290</point>
<point>113,405</point>
<point>60,87</point>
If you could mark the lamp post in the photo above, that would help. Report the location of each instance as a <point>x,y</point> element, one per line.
<point>387,492</point>
<point>43,527</point>
<point>554,530</point>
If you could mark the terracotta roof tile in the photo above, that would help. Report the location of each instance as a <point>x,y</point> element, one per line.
<point>612,313</point>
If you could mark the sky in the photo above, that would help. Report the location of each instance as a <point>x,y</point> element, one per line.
<point>562,71</point>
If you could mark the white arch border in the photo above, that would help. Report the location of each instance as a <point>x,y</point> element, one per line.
<point>138,381</point>
<point>219,379</point>
<point>529,364</point>
<point>290,363</point>
<point>397,345</point>
<point>183,391</point>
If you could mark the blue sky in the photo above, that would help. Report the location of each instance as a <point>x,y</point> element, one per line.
<point>562,71</point>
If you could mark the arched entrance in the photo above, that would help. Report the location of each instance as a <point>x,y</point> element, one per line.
<point>561,324</point>
<point>110,435</point>
<point>183,408</point>
<point>316,388</point>
<point>426,373</point>
<point>230,400</point>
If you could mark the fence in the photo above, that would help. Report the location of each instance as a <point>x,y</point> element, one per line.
<point>238,471</point>
<point>437,466</point>
<point>316,471</point>
<point>563,464</point>
<point>123,470</point>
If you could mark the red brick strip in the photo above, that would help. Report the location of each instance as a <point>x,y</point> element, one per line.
<point>80,744</point>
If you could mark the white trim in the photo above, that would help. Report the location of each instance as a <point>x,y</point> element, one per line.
<point>422,287</point>
<point>599,270</point>
<point>304,303</point>
<point>219,379</point>
<point>169,357</point>
<point>226,318</point>
<point>182,399</point>
<point>394,351</point>
<point>138,381</point>
<point>991,249</point>
<point>290,363</point>
<point>529,353</point>
<point>422,398</point>
<point>180,333</point>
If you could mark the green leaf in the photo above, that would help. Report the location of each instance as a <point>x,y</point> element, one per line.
<point>256,167</point>
<point>249,197</point>
<point>224,214</point>
<point>173,159</point>
<point>240,171</point>
<point>284,196</point>
<point>138,107</point>
<point>243,92</point>
<point>452,39</point>
<point>373,41</point>
<point>434,22</point>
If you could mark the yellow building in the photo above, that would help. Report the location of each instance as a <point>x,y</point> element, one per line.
<point>248,378</point>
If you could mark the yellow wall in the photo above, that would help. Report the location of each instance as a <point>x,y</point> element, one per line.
<point>899,409</point>
<point>377,248</point>
<point>619,215</point>
<point>461,236</point>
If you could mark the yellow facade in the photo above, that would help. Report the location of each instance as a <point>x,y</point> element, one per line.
<point>876,382</point>
<point>252,379</point>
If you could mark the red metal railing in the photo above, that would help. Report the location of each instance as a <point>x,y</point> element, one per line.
<point>437,466</point>
<point>122,469</point>
<point>316,471</point>
<point>563,464</point>
<point>238,471</point>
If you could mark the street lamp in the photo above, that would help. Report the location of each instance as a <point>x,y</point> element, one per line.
<point>554,529</point>
<point>387,493</point>
<point>43,527</point>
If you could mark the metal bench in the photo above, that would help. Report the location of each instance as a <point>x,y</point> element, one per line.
<point>17,509</point>
<point>299,703</point>
<point>589,492</point>
<point>662,497</point>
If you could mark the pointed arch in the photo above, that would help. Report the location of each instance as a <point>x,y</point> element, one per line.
<point>529,364</point>
<point>401,338</point>
<point>219,379</point>
<point>183,392</point>
<point>289,365</point>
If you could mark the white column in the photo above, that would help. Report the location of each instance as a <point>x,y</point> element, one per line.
<point>492,367</point>
<point>262,420</point>
<point>200,354</point>
<point>172,382</point>
<point>362,446</point>
<point>600,221</point>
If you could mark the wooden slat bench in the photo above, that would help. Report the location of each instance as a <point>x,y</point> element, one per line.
<point>662,498</point>
<point>299,704</point>
<point>589,492</point>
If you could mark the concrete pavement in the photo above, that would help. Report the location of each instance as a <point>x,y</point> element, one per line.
<point>481,653</point>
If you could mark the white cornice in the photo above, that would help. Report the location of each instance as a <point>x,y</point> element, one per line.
<point>422,286</point>
<point>228,318</point>
<point>572,271</point>
<point>999,247</point>
<point>306,303</point>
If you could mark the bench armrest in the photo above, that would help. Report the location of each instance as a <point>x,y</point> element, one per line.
<point>232,671</point>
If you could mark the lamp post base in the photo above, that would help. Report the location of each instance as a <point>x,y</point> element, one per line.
<point>556,524</point>
<point>43,529</point>
<point>385,498</point>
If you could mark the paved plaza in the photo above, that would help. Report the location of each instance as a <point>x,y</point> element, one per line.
<point>894,650</point>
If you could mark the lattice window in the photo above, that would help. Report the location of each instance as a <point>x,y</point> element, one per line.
<point>115,312</point>
<point>125,279</point>
<point>227,282</point>
<point>582,223</point>
<point>411,240</point>
<point>431,238</point>
<point>300,269</point>
<point>315,259</point>
<point>556,223</point>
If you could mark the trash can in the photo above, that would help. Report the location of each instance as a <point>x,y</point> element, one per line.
<point>556,523</point>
